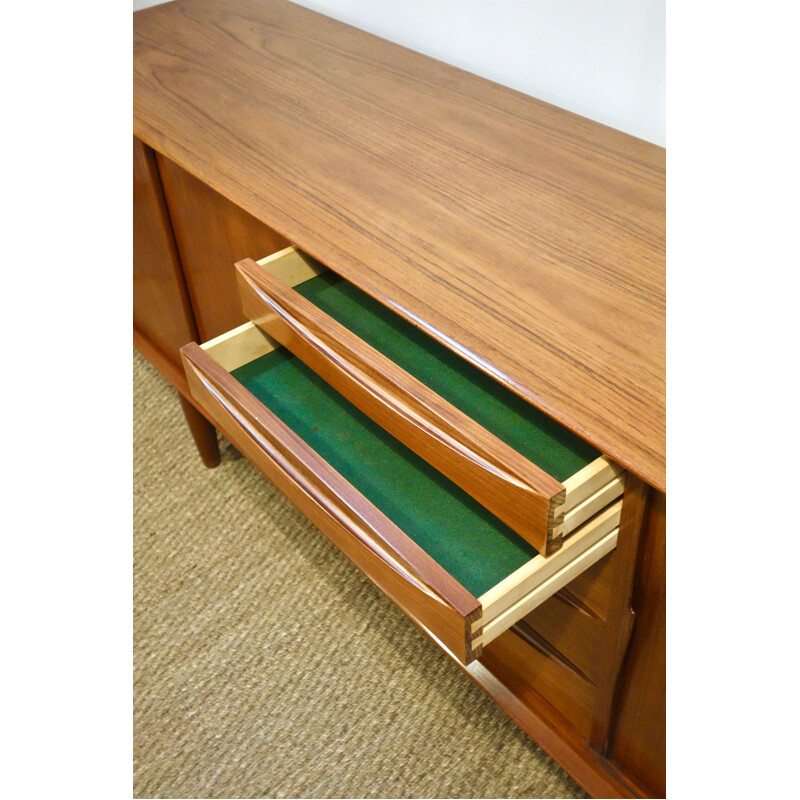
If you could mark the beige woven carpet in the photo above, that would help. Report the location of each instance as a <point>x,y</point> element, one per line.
<point>266,665</point>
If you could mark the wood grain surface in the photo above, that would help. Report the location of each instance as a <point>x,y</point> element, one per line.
<point>162,312</point>
<point>621,616</point>
<point>540,670</point>
<point>592,588</point>
<point>514,489</point>
<point>163,319</point>
<point>211,234</point>
<point>639,733</point>
<point>572,630</point>
<point>400,568</point>
<point>528,239</point>
<point>507,672</point>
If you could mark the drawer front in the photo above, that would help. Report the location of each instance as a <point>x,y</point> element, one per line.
<point>573,621</point>
<point>530,668</point>
<point>515,490</point>
<point>399,567</point>
<point>507,455</point>
<point>573,632</point>
<point>592,588</point>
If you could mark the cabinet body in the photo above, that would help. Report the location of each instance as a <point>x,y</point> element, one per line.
<point>441,210</point>
<point>545,672</point>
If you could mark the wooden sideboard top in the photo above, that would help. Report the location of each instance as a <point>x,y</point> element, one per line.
<point>528,239</point>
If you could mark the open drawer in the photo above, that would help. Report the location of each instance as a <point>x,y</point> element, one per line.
<point>501,451</point>
<point>454,567</point>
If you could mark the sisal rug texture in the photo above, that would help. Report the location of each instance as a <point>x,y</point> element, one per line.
<point>266,665</point>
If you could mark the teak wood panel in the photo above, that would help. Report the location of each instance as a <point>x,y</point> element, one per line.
<point>639,726</point>
<point>526,238</point>
<point>503,674</point>
<point>162,313</point>
<point>514,489</point>
<point>621,616</point>
<point>592,588</point>
<point>163,320</point>
<point>399,567</point>
<point>572,629</point>
<point>533,670</point>
<point>212,233</point>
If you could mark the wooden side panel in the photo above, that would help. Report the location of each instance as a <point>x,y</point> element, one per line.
<point>513,488</point>
<point>591,479</point>
<point>162,313</point>
<point>212,233</point>
<point>399,567</point>
<point>639,734</point>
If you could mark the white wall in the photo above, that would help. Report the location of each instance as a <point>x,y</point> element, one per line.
<point>604,59</point>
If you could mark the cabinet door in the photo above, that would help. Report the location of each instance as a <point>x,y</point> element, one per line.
<point>162,314</point>
<point>212,234</point>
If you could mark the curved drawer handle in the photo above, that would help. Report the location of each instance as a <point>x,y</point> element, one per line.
<point>513,488</point>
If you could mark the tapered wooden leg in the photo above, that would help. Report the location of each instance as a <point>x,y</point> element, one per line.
<point>203,433</point>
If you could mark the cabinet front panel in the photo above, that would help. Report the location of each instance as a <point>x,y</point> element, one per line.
<point>592,588</point>
<point>572,630</point>
<point>212,234</point>
<point>639,743</point>
<point>161,309</point>
<point>530,669</point>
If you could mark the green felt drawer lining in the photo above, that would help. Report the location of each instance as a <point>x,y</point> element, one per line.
<point>540,439</point>
<point>475,547</point>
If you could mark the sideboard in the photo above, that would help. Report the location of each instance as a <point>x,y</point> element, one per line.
<point>527,240</point>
